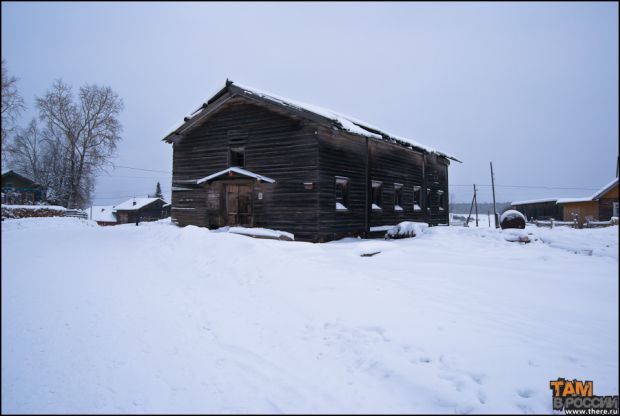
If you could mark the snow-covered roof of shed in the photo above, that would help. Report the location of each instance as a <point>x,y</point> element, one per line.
<point>342,121</point>
<point>533,201</point>
<point>602,191</point>
<point>568,200</point>
<point>104,213</point>
<point>605,189</point>
<point>237,170</point>
<point>139,203</point>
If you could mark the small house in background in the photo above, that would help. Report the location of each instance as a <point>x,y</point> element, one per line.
<point>103,215</point>
<point>250,158</point>
<point>18,189</point>
<point>601,206</point>
<point>142,209</point>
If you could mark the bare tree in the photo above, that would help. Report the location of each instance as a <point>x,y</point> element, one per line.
<point>26,151</point>
<point>83,135</point>
<point>12,106</point>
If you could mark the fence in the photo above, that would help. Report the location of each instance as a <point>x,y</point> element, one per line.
<point>596,224</point>
<point>574,224</point>
<point>76,213</point>
<point>553,223</point>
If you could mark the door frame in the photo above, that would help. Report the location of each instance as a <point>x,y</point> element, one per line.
<point>238,182</point>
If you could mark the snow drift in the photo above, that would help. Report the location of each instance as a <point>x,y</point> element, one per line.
<point>162,319</point>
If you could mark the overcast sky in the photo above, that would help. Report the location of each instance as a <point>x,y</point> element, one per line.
<point>532,87</point>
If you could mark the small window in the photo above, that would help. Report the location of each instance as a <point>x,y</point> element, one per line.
<point>428,199</point>
<point>342,193</point>
<point>615,209</point>
<point>377,190</point>
<point>417,198</point>
<point>236,157</point>
<point>441,197</point>
<point>398,197</point>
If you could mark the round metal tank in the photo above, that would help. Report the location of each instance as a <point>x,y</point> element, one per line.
<point>512,219</point>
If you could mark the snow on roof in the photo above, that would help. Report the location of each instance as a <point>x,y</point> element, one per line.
<point>236,170</point>
<point>104,213</point>
<point>345,122</point>
<point>593,197</point>
<point>534,201</point>
<point>567,200</point>
<point>135,203</point>
<point>605,189</point>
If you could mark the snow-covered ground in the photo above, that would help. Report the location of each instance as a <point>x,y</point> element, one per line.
<point>157,318</point>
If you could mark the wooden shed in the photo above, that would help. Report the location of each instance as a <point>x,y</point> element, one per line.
<point>141,209</point>
<point>250,158</point>
<point>600,206</point>
<point>538,209</point>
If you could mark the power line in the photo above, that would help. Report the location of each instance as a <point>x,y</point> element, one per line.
<point>146,170</point>
<point>131,176</point>
<point>530,187</point>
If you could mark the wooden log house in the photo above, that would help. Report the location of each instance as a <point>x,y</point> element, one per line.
<point>20,190</point>
<point>253,159</point>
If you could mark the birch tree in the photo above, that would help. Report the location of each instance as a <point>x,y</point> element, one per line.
<point>82,133</point>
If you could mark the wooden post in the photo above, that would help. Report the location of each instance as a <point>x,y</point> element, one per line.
<point>476,200</point>
<point>470,208</point>
<point>493,187</point>
<point>489,215</point>
<point>368,198</point>
<point>91,211</point>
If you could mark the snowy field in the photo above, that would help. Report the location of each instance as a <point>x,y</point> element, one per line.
<point>157,318</point>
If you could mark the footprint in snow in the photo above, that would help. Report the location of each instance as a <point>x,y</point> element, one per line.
<point>525,393</point>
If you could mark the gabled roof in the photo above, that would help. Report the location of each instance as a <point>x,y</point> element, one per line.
<point>136,203</point>
<point>337,120</point>
<point>22,177</point>
<point>605,189</point>
<point>231,172</point>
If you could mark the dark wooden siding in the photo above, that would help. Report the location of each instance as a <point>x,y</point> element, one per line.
<point>341,155</point>
<point>436,173</point>
<point>540,211</point>
<point>606,208</point>
<point>392,164</point>
<point>344,155</point>
<point>277,146</point>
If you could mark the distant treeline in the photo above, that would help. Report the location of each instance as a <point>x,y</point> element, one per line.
<point>483,207</point>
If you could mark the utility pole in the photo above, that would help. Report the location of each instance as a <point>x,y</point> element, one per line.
<point>493,187</point>
<point>476,200</point>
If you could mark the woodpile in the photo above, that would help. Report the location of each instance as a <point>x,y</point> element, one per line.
<point>10,212</point>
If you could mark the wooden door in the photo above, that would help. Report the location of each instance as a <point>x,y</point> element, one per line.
<point>239,205</point>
